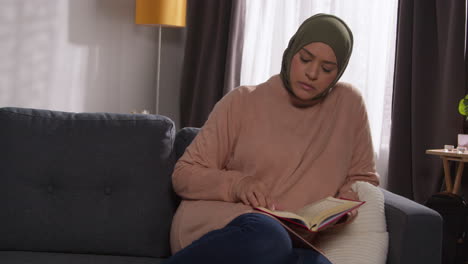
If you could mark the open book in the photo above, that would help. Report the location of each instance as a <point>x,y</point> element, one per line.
<point>318,215</point>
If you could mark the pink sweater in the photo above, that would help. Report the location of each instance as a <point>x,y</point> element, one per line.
<point>301,154</point>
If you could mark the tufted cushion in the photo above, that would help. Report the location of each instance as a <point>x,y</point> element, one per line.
<point>85,182</point>
<point>365,240</point>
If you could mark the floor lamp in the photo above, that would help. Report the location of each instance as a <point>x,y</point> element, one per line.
<point>160,13</point>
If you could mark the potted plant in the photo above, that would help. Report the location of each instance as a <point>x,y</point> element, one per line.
<point>463,110</point>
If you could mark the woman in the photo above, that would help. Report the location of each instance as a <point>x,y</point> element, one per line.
<point>283,144</point>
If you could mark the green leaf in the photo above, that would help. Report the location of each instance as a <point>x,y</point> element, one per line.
<point>462,107</point>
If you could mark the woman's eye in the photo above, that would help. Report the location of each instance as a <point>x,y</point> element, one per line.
<point>326,70</point>
<point>304,60</point>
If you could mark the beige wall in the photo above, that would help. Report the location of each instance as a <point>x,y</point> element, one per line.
<point>172,56</point>
<point>85,56</point>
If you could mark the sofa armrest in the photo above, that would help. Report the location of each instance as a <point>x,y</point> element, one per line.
<point>415,231</point>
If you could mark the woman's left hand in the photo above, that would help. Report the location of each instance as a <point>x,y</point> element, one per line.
<point>350,195</point>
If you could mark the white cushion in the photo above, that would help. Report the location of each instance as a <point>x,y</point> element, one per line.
<point>365,240</point>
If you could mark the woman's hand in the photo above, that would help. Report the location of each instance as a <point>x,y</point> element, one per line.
<point>350,195</point>
<point>253,192</point>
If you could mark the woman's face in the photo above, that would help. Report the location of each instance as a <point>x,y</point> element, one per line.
<point>313,69</point>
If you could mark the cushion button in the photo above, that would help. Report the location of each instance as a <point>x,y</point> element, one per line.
<point>107,191</point>
<point>50,189</point>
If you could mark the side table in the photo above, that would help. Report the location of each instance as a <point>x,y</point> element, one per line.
<point>446,155</point>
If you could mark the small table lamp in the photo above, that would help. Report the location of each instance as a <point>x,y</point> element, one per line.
<point>167,13</point>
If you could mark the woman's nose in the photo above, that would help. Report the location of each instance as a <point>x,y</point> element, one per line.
<point>312,71</point>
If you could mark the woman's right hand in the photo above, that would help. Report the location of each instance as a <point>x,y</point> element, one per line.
<point>253,192</point>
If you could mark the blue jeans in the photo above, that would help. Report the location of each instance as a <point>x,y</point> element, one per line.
<point>249,238</point>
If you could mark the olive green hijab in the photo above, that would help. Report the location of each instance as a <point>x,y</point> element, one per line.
<point>324,28</point>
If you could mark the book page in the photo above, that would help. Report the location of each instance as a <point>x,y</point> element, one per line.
<point>322,209</point>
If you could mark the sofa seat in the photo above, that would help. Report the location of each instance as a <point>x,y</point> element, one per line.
<point>97,187</point>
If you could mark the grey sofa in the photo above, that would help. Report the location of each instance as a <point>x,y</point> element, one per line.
<point>96,188</point>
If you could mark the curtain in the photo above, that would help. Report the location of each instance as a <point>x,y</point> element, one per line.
<point>271,23</point>
<point>212,56</point>
<point>464,185</point>
<point>429,82</point>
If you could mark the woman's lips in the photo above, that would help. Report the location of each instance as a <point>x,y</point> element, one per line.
<point>306,87</point>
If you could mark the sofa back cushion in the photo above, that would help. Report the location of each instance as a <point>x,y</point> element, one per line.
<point>86,182</point>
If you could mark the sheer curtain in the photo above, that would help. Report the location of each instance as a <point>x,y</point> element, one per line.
<point>269,24</point>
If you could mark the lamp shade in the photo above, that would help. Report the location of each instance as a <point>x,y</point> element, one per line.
<point>161,12</point>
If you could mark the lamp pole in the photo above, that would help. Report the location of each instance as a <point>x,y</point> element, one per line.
<point>160,13</point>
